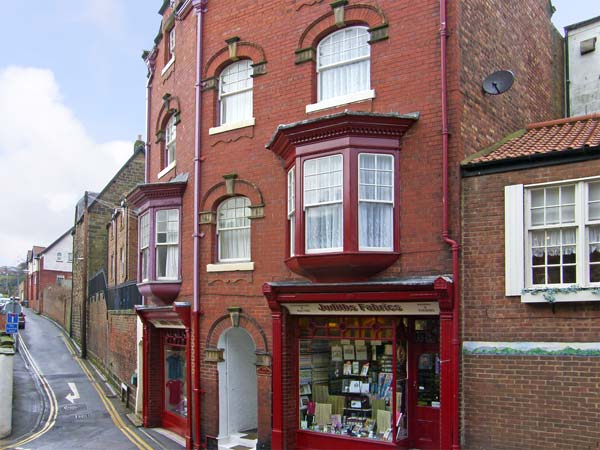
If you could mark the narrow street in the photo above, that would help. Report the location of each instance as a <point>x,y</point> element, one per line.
<point>70,411</point>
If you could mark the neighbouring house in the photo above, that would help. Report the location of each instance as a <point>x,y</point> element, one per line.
<point>582,45</point>
<point>531,221</point>
<point>48,266</point>
<point>101,315</point>
<point>306,295</point>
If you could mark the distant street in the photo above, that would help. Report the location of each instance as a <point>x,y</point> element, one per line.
<point>75,416</point>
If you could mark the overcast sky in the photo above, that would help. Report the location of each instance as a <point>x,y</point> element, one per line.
<point>72,88</point>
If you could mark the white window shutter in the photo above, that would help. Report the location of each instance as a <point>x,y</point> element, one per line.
<point>514,258</point>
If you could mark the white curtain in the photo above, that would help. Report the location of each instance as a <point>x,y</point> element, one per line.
<point>551,242</point>
<point>235,92</point>
<point>594,239</point>
<point>172,263</point>
<point>376,225</point>
<point>343,63</point>
<point>324,227</point>
<point>235,244</point>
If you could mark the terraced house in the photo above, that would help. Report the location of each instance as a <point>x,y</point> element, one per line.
<point>299,223</point>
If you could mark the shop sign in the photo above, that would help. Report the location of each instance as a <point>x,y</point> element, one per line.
<point>364,308</point>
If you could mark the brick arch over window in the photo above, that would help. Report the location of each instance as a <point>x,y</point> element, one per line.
<point>359,14</point>
<point>234,51</point>
<point>231,187</point>
<point>169,107</point>
<point>247,322</point>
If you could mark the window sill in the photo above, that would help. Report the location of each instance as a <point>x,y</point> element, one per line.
<point>231,126</point>
<point>167,66</point>
<point>561,295</point>
<point>230,267</point>
<point>167,169</point>
<point>341,100</point>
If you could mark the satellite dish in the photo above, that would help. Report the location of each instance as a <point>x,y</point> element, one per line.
<point>498,82</point>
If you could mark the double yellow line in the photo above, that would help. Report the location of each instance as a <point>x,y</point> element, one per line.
<point>114,415</point>
<point>51,420</point>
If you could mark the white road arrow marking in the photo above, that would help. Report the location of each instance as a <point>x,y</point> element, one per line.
<point>74,394</point>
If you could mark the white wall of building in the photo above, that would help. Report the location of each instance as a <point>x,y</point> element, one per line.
<point>60,255</point>
<point>584,70</point>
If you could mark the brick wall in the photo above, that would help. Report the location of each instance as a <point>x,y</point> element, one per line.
<point>533,403</point>
<point>511,35</point>
<point>122,357</point>
<point>521,402</point>
<point>55,303</point>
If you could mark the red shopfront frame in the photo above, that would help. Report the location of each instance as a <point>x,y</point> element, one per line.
<point>296,298</point>
<point>174,339</point>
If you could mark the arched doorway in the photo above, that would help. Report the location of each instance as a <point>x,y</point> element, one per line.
<point>237,384</point>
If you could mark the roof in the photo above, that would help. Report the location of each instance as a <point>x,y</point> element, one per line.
<point>565,137</point>
<point>582,24</point>
<point>37,250</point>
<point>57,240</point>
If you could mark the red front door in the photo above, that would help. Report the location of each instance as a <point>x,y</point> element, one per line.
<point>174,389</point>
<point>425,385</point>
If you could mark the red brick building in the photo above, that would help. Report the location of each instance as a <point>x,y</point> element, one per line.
<point>48,266</point>
<point>306,294</point>
<point>531,344</point>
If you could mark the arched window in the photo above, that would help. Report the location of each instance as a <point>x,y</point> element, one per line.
<point>235,92</point>
<point>343,63</point>
<point>233,229</point>
<point>170,135</point>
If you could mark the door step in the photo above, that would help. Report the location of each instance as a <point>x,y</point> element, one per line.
<point>246,440</point>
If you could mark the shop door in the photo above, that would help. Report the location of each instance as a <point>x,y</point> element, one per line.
<point>174,414</point>
<point>426,385</point>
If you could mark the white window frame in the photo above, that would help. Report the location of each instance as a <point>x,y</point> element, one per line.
<point>172,43</point>
<point>227,97</point>
<point>59,257</point>
<point>168,244</point>
<point>221,229</point>
<point>70,257</point>
<point>291,208</point>
<point>518,245</point>
<point>145,246</point>
<point>342,64</point>
<point>170,142</point>
<point>387,202</point>
<point>307,206</point>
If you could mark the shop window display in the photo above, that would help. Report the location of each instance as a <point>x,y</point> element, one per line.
<point>353,376</point>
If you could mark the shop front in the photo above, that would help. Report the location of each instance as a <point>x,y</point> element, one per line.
<point>362,365</point>
<point>165,372</point>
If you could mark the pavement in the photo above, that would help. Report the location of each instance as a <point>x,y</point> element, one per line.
<point>31,407</point>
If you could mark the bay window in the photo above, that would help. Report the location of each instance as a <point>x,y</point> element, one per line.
<point>167,244</point>
<point>323,204</point>
<point>145,246</point>
<point>343,214</point>
<point>376,201</point>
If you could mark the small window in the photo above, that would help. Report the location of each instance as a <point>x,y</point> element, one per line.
<point>60,280</point>
<point>233,229</point>
<point>122,262</point>
<point>323,204</point>
<point>59,257</point>
<point>343,63</point>
<point>235,93</point>
<point>376,201</point>
<point>292,209</point>
<point>167,244</point>
<point>145,246</point>
<point>170,135</point>
<point>172,43</point>
<point>70,257</point>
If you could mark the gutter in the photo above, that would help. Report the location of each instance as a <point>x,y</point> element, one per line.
<point>445,228</point>
<point>200,7</point>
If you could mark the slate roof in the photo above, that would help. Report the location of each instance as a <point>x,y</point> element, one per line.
<point>563,136</point>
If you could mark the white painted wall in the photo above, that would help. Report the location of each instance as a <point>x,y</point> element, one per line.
<point>6,391</point>
<point>64,246</point>
<point>584,71</point>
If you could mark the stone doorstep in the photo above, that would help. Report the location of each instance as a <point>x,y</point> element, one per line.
<point>135,419</point>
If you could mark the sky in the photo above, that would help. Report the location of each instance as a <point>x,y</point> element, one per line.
<point>72,102</point>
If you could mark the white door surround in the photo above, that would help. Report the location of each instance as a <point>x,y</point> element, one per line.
<point>238,402</point>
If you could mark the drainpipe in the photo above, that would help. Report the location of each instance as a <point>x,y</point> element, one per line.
<point>84,287</point>
<point>150,62</point>
<point>445,232</point>
<point>200,7</point>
